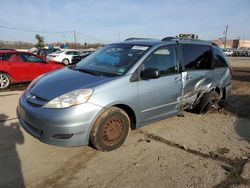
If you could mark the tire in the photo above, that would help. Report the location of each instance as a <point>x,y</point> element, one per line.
<point>110,130</point>
<point>4,80</point>
<point>207,100</point>
<point>65,61</point>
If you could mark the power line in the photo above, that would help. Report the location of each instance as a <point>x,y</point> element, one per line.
<point>37,31</point>
<point>87,36</point>
<point>34,31</point>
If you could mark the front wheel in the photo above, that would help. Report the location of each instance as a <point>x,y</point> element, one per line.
<point>4,81</point>
<point>110,130</point>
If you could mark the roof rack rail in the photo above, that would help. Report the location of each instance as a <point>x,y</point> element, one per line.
<point>135,38</point>
<point>168,38</point>
<point>214,44</point>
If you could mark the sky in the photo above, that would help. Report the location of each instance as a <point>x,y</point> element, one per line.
<point>114,20</point>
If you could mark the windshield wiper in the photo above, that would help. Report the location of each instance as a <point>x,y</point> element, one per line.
<point>95,73</point>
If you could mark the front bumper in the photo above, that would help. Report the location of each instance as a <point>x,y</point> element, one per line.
<point>61,127</point>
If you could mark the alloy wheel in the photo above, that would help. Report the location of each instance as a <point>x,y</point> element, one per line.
<point>4,81</point>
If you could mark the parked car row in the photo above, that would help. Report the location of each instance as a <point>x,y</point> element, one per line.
<point>243,52</point>
<point>19,66</point>
<point>65,56</point>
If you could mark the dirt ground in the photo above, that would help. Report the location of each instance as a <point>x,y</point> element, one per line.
<point>210,150</point>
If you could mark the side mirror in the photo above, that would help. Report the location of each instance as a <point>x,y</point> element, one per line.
<point>150,73</point>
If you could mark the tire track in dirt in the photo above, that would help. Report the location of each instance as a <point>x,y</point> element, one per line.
<point>233,167</point>
<point>67,172</point>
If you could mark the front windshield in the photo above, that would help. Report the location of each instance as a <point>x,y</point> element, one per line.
<point>113,59</point>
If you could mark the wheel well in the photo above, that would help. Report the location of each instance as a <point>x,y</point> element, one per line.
<point>217,90</point>
<point>221,92</point>
<point>130,113</point>
<point>7,74</point>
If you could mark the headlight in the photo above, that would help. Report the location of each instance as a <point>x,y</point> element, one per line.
<point>34,82</point>
<point>70,99</point>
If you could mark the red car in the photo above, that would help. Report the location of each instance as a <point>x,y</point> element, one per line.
<point>16,67</point>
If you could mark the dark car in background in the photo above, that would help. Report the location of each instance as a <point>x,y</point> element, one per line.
<point>1,49</point>
<point>44,52</point>
<point>17,67</point>
<point>86,53</point>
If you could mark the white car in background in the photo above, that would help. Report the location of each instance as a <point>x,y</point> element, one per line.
<point>228,52</point>
<point>65,56</point>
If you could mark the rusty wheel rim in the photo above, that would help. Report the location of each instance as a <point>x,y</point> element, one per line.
<point>113,130</point>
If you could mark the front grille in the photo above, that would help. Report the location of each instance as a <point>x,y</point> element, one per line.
<point>35,100</point>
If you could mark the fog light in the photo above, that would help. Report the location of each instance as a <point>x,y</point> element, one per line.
<point>62,136</point>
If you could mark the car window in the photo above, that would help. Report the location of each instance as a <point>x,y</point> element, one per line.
<point>163,59</point>
<point>76,53</point>
<point>69,53</point>
<point>58,52</point>
<point>220,59</point>
<point>196,56</point>
<point>72,53</point>
<point>11,57</point>
<point>5,57</point>
<point>32,58</point>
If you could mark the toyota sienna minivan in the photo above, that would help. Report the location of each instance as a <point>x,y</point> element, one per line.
<point>124,86</point>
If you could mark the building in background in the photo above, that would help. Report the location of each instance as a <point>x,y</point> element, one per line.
<point>235,43</point>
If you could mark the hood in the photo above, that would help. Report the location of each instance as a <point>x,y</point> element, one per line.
<point>64,80</point>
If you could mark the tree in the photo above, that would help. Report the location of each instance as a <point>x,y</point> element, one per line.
<point>40,41</point>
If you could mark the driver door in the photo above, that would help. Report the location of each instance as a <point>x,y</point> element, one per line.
<point>159,97</point>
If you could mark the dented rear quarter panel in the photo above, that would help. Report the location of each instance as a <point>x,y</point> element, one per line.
<point>197,83</point>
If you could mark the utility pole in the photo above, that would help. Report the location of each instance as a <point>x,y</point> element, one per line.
<point>75,38</point>
<point>225,38</point>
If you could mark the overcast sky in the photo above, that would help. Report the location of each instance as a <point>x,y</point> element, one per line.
<point>113,20</point>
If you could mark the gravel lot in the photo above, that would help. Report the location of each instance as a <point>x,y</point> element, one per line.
<point>210,150</point>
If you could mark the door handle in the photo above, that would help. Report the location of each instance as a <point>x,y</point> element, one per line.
<point>188,77</point>
<point>177,79</point>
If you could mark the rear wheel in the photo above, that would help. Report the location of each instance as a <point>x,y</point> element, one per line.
<point>110,129</point>
<point>208,99</point>
<point>65,61</point>
<point>4,80</point>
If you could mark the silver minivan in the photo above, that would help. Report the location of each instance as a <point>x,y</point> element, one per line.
<point>124,86</point>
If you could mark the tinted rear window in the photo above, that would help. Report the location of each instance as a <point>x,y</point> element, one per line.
<point>220,59</point>
<point>196,56</point>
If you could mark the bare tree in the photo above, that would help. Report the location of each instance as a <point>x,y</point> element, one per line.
<point>40,41</point>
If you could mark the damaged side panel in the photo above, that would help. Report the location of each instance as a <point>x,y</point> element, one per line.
<point>197,83</point>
